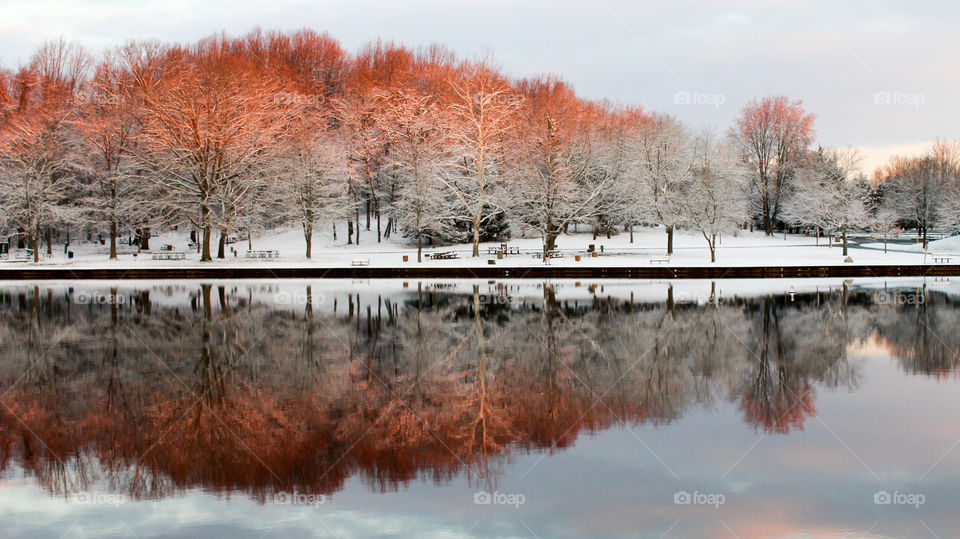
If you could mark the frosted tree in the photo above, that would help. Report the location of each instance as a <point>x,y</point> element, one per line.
<point>663,156</point>
<point>714,197</point>
<point>482,114</point>
<point>773,133</point>
<point>360,114</point>
<point>830,194</point>
<point>920,187</point>
<point>210,121</point>
<point>557,181</point>
<point>419,161</point>
<point>105,117</point>
<point>39,149</point>
<point>313,183</point>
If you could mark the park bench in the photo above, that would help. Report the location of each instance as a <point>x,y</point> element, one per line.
<point>263,254</point>
<point>446,255</point>
<point>169,255</point>
<point>360,262</point>
<point>941,258</point>
<point>193,246</point>
<point>660,260</point>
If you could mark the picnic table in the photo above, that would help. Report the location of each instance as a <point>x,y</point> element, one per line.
<point>169,255</point>
<point>360,262</point>
<point>504,250</point>
<point>263,254</point>
<point>27,254</point>
<point>941,258</point>
<point>660,260</point>
<point>445,255</point>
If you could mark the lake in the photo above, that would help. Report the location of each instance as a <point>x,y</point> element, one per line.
<point>460,408</point>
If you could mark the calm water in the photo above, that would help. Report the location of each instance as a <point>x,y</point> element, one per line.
<point>475,408</point>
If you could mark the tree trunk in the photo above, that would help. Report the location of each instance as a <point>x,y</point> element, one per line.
<point>713,248</point>
<point>669,240</point>
<point>222,244</point>
<point>631,233</point>
<point>419,247</point>
<point>378,227</point>
<point>205,253</point>
<point>357,215</point>
<point>49,238</point>
<point>476,236</point>
<point>35,245</point>
<point>113,239</point>
<point>308,235</point>
<point>767,224</point>
<point>843,233</point>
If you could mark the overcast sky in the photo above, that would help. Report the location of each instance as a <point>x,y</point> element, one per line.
<point>881,76</point>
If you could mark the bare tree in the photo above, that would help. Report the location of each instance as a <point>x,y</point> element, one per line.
<point>663,156</point>
<point>419,160</point>
<point>482,114</point>
<point>774,133</point>
<point>39,150</point>
<point>210,121</point>
<point>313,183</point>
<point>830,194</point>
<point>714,198</point>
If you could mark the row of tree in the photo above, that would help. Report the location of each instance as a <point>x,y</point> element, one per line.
<point>241,135</point>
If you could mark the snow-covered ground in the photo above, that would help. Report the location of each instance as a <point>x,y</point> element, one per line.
<point>742,249</point>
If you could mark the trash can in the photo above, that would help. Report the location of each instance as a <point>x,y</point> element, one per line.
<point>406,258</point>
<point>69,254</point>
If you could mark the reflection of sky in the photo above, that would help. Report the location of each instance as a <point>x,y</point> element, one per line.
<point>886,434</point>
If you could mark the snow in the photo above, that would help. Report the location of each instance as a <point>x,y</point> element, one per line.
<point>690,249</point>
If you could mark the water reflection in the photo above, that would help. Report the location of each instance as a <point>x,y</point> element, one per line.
<point>157,389</point>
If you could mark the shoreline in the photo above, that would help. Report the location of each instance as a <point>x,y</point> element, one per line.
<point>489,272</point>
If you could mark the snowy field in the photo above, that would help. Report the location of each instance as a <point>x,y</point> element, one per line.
<point>744,249</point>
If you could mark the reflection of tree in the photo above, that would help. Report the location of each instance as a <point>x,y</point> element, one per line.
<point>232,394</point>
<point>922,334</point>
<point>792,349</point>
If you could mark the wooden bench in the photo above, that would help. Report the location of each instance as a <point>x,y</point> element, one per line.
<point>446,255</point>
<point>660,260</point>
<point>941,258</point>
<point>360,262</point>
<point>169,255</point>
<point>263,254</point>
